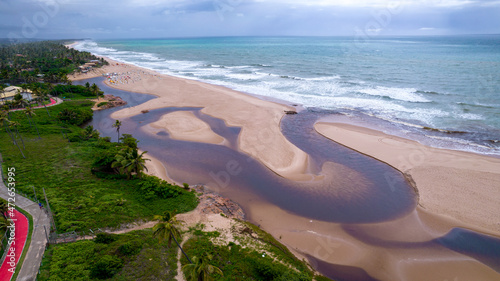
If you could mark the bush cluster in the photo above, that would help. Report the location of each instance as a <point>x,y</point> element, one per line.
<point>152,187</point>
<point>75,116</point>
<point>71,91</point>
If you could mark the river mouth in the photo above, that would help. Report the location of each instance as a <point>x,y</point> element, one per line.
<point>350,192</point>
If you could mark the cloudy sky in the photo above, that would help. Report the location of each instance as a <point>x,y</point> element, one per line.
<point>107,19</point>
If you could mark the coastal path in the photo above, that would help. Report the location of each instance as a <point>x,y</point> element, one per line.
<point>15,249</point>
<point>31,263</point>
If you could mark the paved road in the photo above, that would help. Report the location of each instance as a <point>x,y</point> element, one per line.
<point>31,264</point>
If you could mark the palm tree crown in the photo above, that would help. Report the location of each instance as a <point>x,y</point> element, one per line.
<point>167,229</point>
<point>117,125</point>
<point>200,269</point>
<point>129,160</point>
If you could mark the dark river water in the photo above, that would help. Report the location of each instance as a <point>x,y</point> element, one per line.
<point>363,190</point>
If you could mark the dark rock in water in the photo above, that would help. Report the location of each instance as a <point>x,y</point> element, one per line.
<point>144,111</point>
<point>290,112</point>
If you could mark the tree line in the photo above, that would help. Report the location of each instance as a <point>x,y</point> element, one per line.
<point>46,61</point>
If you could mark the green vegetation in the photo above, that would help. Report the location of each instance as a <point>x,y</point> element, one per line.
<point>132,256</point>
<point>74,92</point>
<point>48,61</point>
<point>256,255</point>
<point>82,193</point>
<point>168,229</point>
<point>201,269</point>
<point>116,125</point>
<point>3,225</point>
<point>93,183</point>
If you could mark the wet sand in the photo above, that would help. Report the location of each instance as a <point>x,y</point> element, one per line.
<point>400,249</point>
<point>184,125</point>
<point>460,185</point>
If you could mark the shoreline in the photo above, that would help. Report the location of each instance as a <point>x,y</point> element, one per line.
<point>474,178</point>
<point>260,136</point>
<point>303,238</point>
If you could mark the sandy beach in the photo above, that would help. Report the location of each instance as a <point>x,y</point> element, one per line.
<point>460,185</point>
<point>259,120</point>
<point>456,189</point>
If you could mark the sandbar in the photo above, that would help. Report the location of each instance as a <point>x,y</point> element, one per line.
<point>260,136</point>
<point>184,125</point>
<point>452,187</point>
<point>460,185</point>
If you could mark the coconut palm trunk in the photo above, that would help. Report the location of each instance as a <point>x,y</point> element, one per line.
<point>18,134</point>
<point>30,113</point>
<point>117,125</point>
<point>44,95</point>
<point>9,132</point>
<point>182,250</point>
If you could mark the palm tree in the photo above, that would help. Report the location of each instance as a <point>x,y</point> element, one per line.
<point>167,229</point>
<point>14,124</point>
<point>96,91</point>
<point>117,125</point>
<point>30,112</point>
<point>130,161</point>
<point>42,95</point>
<point>18,100</point>
<point>6,122</point>
<point>201,269</point>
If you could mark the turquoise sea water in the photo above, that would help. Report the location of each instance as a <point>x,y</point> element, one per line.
<point>412,83</point>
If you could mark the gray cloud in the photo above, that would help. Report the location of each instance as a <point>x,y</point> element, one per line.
<point>174,18</point>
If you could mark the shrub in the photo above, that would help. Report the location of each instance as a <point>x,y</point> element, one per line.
<point>102,103</point>
<point>151,186</point>
<point>129,141</point>
<point>75,137</point>
<point>129,249</point>
<point>75,116</point>
<point>266,270</point>
<point>70,91</point>
<point>105,238</point>
<point>106,267</point>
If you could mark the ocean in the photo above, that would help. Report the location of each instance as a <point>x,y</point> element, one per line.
<point>440,91</point>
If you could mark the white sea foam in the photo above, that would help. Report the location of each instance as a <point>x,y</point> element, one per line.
<point>334,88</point>
<point>404,94</point>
